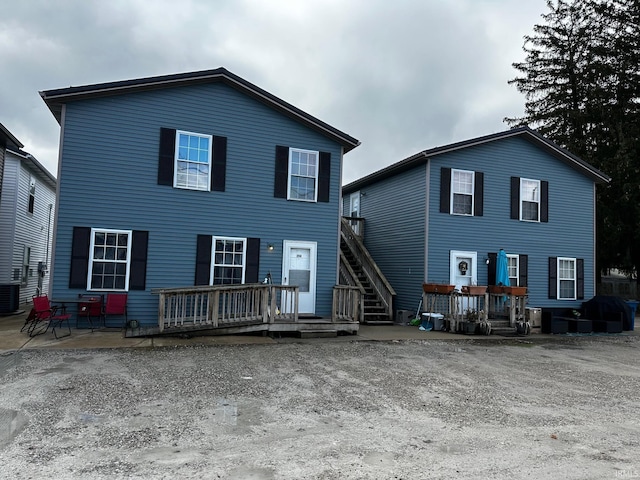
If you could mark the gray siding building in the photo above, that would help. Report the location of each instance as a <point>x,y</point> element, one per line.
<point>27,204</point>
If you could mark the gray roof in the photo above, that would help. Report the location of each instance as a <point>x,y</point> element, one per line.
<point>35,165</point>
<point>7,139</point>
<point>58,97</point>
<point>525,132</point>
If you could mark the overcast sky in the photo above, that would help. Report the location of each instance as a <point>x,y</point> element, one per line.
<point>401,76</point>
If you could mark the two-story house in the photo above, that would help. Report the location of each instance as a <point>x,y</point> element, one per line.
<point>442,214</point>
<point>27,198</point>
<point>194,179</point>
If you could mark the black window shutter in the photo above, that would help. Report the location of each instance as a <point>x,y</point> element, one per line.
<point>445,190</point>
<point>203,259</point>
<point>79,257</point>
<point>167,156</point>
<point>478,200</point>
<point>324,177</point>
<point>544,201</point>
<point>515,198</point>
<point>138,271</point>
<point>219,164</point>
<point>491,268</point>
<point>282,172</point>
<point>580,278</point>
<point>523,268</point>
<point>253,260</point>
<point>553,277</point>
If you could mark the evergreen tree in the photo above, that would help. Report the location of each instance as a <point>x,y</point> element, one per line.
<point>581,81</point>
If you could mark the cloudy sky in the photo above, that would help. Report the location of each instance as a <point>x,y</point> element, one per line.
<point>400,76</point>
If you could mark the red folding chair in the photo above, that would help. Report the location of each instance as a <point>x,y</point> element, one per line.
<point>47,316</point>
<point>116,304</point>
<point>29,320</point>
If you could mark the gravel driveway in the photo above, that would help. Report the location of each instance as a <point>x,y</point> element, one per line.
<point>326,410</point>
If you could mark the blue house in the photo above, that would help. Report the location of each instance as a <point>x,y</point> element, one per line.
<point>442,215</point>
<point>197,179</point>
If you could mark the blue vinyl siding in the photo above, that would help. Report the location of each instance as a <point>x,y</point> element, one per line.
<point>394,213</point>
<point>109,180</point>
<point>569,231</point>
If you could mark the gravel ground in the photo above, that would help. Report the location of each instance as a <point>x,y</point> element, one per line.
<point>326,410</point>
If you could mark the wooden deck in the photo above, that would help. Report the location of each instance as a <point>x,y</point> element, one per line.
<point>249,308</point>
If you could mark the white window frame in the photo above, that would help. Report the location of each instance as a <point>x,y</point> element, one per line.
<point>176,159</point>
<point>511,256</point>
<point>565,279</point>
<point>291,174</point>
<point>115,261</point>
<point>455,191</point>
<point>26,262</point>
<point>214,239</point>
<point>522,199</point>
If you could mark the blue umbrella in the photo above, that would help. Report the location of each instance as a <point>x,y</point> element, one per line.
<point>502,269</point>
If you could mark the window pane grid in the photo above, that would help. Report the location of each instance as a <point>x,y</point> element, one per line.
<point>109,260</point>
<point>530,199</point>
<point>303,175</point>
<point>513,270</point>
<point>462,192</point>
<point>566,278</point>
<point>193,159</point>
<point>228,261</point>
<point>463,182</point>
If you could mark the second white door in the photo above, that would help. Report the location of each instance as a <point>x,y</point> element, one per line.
<point>299,268</point>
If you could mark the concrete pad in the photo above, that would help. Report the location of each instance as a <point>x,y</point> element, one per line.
<point>11,339</point>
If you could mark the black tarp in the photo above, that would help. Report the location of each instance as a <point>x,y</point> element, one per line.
<point>607,307</point>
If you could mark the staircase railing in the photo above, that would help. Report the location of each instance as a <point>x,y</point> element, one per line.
<point>382,288</point>
<point>357,225</point>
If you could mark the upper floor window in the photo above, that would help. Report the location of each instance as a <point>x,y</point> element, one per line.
<point>529,200</point>
<point>462,191</point>
<point>303,175</point>
<point>228,266</point>
<point>32,194</point>
<point>109,259</point>
<point>566,278</point>
<point>192,161</point>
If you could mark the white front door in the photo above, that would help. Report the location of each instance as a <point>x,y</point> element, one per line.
<point>463,271</point>
<point>463,267</point>
<point>299,268</point>
<point>354,204</point>
<point>354,211</point>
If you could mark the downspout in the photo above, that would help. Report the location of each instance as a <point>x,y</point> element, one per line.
<point>46,260</point>
<point>427,193</point>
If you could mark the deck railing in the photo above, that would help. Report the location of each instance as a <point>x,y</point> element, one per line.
<point>236,305</point>
<point>228,305</point>
<point>347,304</point>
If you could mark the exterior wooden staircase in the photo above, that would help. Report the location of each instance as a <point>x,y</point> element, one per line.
<point>358,269</point>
